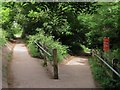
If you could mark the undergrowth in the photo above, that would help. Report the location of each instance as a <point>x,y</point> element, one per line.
<point>49,42</point>
<point>100,75</point>
<point>3,39</point>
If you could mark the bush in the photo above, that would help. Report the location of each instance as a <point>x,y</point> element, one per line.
<point>33,50</point>
<point>3,37</point>
<point>100,75</point>
<point>112,54</point>
<point>49,42</point>
<point>116,54</point>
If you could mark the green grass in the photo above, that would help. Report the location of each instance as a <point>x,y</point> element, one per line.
<point>100,75</point>
<point>2,42</point>
<point>2,37</point>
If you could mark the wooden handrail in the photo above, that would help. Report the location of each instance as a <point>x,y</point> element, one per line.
<point>42,49</point>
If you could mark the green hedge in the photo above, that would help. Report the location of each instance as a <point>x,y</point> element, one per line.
<point>49,42</point>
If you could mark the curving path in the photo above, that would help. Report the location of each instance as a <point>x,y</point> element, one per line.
<point>27,72</point>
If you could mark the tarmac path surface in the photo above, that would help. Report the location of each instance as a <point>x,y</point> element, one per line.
<point>28,72</point>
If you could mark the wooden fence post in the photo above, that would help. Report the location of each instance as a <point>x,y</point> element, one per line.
<point>45,57</point>
<point>45,60</point>
<point>55,64</point>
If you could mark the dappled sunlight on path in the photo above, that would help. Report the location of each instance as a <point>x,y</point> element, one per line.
<point>78,61</point>
<point>19,49</point>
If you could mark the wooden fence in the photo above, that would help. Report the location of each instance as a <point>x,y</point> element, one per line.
<point>49,54</point>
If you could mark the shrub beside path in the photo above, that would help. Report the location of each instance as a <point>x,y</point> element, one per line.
<point>28,72</point>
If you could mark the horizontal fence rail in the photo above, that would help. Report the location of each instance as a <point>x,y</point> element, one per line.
<point>42,49</point>
<point>113,67</point>
<point>108,65</point>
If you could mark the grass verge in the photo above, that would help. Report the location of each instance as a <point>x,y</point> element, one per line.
<point>101,76</point>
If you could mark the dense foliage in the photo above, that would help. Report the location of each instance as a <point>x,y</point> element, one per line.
<point>57,19</point>
<point>71,23</point>
<point>74,25</point>
<point>48,42</point>
<point>105,24</point>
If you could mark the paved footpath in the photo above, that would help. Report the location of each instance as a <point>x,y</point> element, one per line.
<point>27,72</point>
